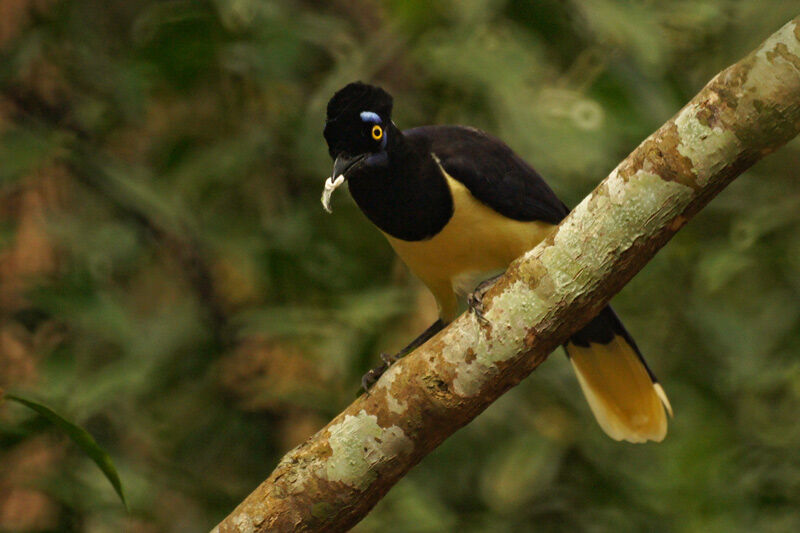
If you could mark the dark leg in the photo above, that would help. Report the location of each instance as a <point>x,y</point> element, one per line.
<point>475,300</point>
<point>373,375</point>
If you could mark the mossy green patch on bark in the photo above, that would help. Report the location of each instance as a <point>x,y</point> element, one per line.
<point>783,43</point>
<point>782,51</point>
<point>394,404</point>
<point>357,444</point>
<point>511,313</point>
<point>710,149</point>
<point>243,523</point>
<point>775,69</point>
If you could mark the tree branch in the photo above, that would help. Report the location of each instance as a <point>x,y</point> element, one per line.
<point>334,478</point>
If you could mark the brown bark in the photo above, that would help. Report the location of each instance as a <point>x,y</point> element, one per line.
<point>334,478</point>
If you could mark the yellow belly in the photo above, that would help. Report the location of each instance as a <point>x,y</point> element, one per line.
<point>476,240</point>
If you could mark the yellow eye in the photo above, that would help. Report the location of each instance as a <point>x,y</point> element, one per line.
<point>377,132</point>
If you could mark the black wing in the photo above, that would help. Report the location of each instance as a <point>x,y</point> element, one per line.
<point>492,172</point>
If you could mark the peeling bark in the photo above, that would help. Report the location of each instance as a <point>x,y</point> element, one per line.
<point>334,478</point>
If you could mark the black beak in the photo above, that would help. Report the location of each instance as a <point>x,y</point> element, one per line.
<point>345,163</point>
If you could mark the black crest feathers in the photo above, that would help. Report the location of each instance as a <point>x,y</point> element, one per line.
<point>344,128</point>
<point>356,97</point>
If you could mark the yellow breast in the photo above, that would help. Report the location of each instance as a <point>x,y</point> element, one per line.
<point>476,241</point>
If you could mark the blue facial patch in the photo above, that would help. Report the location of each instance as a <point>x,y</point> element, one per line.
<point>369,116</point>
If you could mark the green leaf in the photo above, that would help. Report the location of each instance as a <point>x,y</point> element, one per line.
<point>81,437</point>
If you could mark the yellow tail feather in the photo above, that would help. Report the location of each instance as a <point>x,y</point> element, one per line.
<point>626,402</point>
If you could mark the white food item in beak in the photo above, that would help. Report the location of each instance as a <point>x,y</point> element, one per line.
<point>330,186</point>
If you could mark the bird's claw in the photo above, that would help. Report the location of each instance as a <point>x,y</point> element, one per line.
<point>389,359</point>
<point>475,303</point>
<point>370,378</point>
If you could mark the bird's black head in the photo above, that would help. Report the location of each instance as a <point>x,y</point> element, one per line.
<point>358,125</point>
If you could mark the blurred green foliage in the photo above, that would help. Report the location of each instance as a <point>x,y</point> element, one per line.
<point>170,281</point>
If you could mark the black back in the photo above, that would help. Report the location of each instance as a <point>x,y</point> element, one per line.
<point>492,172</point>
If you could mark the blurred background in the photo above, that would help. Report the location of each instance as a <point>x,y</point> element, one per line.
<point>169,280</point>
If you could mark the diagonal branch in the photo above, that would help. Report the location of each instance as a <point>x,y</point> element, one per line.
<point>334,478</point>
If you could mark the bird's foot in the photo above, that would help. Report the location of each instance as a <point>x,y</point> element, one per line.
<point>475,303</point>
<point>475,299</point>
<point>370,378</point>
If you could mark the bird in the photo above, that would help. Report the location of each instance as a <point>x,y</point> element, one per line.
<point>458,205</point>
